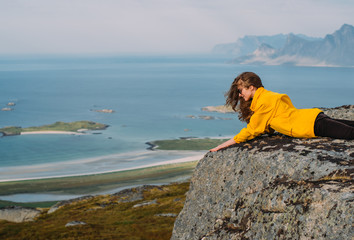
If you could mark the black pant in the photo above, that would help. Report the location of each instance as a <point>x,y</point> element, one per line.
<point>334,128</point>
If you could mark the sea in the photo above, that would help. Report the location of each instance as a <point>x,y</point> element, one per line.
<point>153,97</point>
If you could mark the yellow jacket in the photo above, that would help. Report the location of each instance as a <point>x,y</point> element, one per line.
<point>275,111</point>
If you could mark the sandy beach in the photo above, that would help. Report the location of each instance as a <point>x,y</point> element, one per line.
<point>98,165</point>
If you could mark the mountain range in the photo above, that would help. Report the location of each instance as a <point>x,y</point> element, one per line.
<point>335,49</point>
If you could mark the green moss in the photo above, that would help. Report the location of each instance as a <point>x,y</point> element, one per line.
<point>187,144</point>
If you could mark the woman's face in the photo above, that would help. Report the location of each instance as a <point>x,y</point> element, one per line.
<point>246,93</point>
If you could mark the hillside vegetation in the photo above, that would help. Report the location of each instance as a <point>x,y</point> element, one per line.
<point>125,215</point>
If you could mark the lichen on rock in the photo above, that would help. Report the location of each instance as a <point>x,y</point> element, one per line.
<point>273,187</point>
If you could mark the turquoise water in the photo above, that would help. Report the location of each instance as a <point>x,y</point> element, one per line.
<point>152,97</point>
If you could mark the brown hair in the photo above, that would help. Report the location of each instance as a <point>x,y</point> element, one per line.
<point>245,79</point>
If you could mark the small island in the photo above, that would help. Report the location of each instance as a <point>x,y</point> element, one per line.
<point>11,104</point>
<point>220,109</point>
<point>7,109</point>
<point>103,110</point>
<point>185,144</point>
<point>58,127</point>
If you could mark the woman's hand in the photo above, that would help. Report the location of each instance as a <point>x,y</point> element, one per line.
<point>223,145</point>
<point>215,149</point>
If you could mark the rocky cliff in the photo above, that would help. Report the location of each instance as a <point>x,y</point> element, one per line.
<point>274,187</point>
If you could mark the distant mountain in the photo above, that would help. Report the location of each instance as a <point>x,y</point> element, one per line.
<point>248,44</point>
<point>335,49</point>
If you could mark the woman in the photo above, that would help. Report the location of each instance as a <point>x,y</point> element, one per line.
<point>266,111</point>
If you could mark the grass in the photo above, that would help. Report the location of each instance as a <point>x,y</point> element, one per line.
<point>106,218</point>
<point>71,127</point>
<point>29,204</point>
<point>187,144</point>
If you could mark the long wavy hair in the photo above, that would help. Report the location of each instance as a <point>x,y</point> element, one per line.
<point>245,80</point>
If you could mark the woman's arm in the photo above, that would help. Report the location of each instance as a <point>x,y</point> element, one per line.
<point>224,145</point>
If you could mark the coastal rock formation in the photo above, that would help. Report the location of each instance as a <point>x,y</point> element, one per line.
<point>273,187</point>
<point>19,214</point>
<point>10,131</point>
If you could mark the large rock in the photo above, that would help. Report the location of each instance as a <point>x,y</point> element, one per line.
<point>274,187</point>
<point>18,214</point>
<point>75,223</point>
<point>342,112</point>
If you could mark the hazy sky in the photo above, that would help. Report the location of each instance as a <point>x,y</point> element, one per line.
<point>158,26</point>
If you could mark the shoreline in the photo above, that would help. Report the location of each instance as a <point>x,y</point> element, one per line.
<point>103,164</point>
<point>63,188</point>
<point>97,175</point>
<point>142,167</point>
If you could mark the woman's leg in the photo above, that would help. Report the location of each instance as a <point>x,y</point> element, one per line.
<point>334,128</point>
<point>346,122</point>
